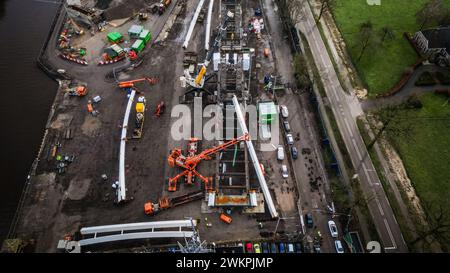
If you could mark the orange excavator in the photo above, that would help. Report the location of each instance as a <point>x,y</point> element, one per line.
<point>130,84</point>
<point>190,162</point>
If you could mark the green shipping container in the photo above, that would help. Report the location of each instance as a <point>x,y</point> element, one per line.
<point>138,46</point>
<point>145,36</point>
<point>114,37</point>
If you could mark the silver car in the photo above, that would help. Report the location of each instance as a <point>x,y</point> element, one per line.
<point>333,229</point>
<point>338,246</point>
<point>284,171</point>
<point>280,153</point>
<point>284,111</point>
<point>290,139</point>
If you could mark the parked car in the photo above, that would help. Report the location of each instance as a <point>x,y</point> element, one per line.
<point>290,139</point>
<point>317,248</point>
<point>282,248</point>
<point>286,125</point>
<point>290,248</point>
<point>265,247</point>
<point>338,246</point>
<point>280,153</point>
<point>258,11</point>
<point>298,248</point>
<point>249,248</point>
<point>333,229</point>
<point>257,248</point>
<point>309,220</point>
<point>294,152</point>
<point>284,111</point>
<point>273,248</point>
<point>307,248</point>
<point>284,171</point>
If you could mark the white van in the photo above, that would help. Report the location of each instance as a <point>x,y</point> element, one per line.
<point>280,153</point>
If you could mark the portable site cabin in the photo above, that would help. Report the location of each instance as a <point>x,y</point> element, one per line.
<point>115,37</point>
<point>135,31</point>
<point>138,46</point>
<point>114,51</point>
<point>145,36</point>
<point>267,112</point>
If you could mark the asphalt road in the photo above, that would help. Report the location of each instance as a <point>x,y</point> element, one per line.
<point>302,122</point>
<point>388,229</point>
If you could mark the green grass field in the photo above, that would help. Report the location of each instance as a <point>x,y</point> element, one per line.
<point>427,155</point>
<point>383,65</point>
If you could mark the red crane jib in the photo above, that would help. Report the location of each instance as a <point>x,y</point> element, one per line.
<point>190,163</point>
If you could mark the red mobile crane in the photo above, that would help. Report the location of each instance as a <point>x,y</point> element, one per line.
<point>190,162</point>
<point>129,84</point>
<point>167,203</point>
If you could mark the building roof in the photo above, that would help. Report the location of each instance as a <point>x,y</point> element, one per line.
<point>117,48</point>
<point>137,43</point>
<point>438,38</point>
<point>267,108</point>
<point>135,29</point>
<point>144,33</point>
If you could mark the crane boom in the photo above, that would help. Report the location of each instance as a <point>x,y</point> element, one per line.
<point>131,83</point>
<point>189,163</point>
<point>206,153</point>
<point>199,80</point>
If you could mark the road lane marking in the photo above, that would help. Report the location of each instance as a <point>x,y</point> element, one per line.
<point>379,207</point>
<point>356,148</point>
<point>348,126</point>
<point>390,233</point>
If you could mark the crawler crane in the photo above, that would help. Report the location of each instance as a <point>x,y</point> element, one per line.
<point>190,162</point>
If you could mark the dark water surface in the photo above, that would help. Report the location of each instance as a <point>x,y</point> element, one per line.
<point>26,95</point>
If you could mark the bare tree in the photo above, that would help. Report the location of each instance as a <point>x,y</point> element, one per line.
<point>325,5</point>
<point>291,11</point>
<point>431,13</point>
<point>395,121</point>
<point>301,72</point>
<point>366,37</point>
<point>437,228</point>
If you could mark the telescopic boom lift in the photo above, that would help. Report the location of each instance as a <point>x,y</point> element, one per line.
<point>199,80</point>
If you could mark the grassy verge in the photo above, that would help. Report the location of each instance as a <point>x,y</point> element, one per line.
<point>407,235</point>
<point>426,153</point>
<point>383,64</point>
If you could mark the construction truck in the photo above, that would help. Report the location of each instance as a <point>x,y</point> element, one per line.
<point>190,162</point>
<point>199,80</point>
<point>140,115</point>
<point>78,91</point>
<point>167,203</point>
<point>160,7</point>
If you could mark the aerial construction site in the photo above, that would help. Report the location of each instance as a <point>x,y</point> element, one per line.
<point>177,126</point>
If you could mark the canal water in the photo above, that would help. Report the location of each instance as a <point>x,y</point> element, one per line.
<point>26,95</point>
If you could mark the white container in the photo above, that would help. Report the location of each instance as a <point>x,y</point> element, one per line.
<point>97,99</point>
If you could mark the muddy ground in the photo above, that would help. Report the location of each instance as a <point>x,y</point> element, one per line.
<point>59,204</point>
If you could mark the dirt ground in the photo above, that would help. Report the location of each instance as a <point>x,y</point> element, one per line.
<point>60,204</point>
